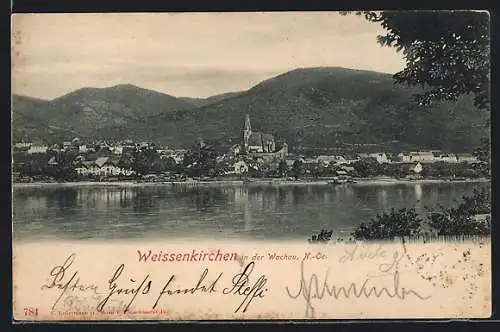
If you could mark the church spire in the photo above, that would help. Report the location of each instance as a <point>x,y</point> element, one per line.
<point>247,123</point>
<point>247,132</point>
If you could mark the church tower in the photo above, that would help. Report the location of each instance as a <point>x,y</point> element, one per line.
<point>247,132</point>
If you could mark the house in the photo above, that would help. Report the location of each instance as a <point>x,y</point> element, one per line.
<point>466,158</point>
<point>220,159</point>
<point>117,149</point>
<point>128,143</point>
<point>404,157</point>
<point>333,159</point>
<point>83,167</point>
<point>82,148</point>
<point>235,150</point>
<point>362,156</point>
<point>350,158</point>
<point>309,161</point>
<point>349,169</point>
<point>178,155</point>
<point>107,167</point>
<point>22,146</point>
<point>418,168</point>
<point>422,156</point>
<point>52,161</point>
<point>393,158</point>
<point>102,166</point>
<point>381,157</point>
<point>447,158</point>
<point>37,149</point>
<point>240,167</point>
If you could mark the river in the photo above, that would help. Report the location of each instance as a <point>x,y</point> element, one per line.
<point>236,212</point>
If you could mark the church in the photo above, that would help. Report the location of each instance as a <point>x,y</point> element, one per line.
<point>255,141</point>
<point>261,145</point>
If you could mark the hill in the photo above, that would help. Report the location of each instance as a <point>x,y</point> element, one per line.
<point>310,108</point>
<point>199,102</point>
<point>90,112</point>
<point>331,108</point>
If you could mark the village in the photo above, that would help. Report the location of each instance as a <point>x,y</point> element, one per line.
<point>257,157</point>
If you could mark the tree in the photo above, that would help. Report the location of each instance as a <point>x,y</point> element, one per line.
<point>447,52</point>
<point>297,169</point>
<point>283,168</point>
<point>462,219</point>
<point>170,164</point>
<point>200,160</point>
<point>143,159</point>
<point>387,226</point>
<point>482,152</point>
<point>367,167</point>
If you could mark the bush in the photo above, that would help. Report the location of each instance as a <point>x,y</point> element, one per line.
<point>459,221</point>
<point>387,226</point>
<point>462,220</point>
<point>323,237</point>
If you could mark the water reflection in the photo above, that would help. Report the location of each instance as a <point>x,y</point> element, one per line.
<point>255,212</point>
<point>418,191</point>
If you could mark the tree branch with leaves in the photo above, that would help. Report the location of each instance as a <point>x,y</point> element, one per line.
<point>447,53</point>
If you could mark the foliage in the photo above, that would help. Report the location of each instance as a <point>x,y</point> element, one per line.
<point>395,170</point>
<point>143,159</point>
<point>367,167</point>
<point>200,160</point>
<point>169,164</point>
<point>297,169</point>
<point>461,220</point>
<point>283,168</point>
<point>457,221</point>
<point>483,153</point>
<point>323,237</point>
<point>446,52</point>
<point>387,226</point>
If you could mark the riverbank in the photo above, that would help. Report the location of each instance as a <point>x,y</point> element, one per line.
<point>250,182</point>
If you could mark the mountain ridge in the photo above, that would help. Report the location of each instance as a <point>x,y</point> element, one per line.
<point>307,107</point>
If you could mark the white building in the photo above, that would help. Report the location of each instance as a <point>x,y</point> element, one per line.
<point>333,159</point>
<point>381,157</point>
<point>447,158</point>
<point>101,167</point>
<point>404,157</point>
<point>37,149</point>
<point>422,156</point>
<point>118,149</point>
<point>82,148</point>
<point>418,168</point>
<point>466,158</point>
<point>240,167</point>
<point>22,145</point>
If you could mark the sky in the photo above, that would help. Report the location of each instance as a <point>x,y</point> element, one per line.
<point>186,54</point>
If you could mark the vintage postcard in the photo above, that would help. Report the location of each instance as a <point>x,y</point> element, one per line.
<point>246,166</point>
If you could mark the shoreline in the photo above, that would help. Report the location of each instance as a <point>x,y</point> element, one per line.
<point>237,183</point>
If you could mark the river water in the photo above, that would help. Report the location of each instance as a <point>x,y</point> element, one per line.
<point>265,212</point>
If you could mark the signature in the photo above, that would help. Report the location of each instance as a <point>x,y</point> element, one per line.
<point>241,286</point>
<point>314,289</point>
<point>72,284</point>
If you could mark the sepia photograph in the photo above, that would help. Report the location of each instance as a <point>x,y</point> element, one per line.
<point>192,166</point>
